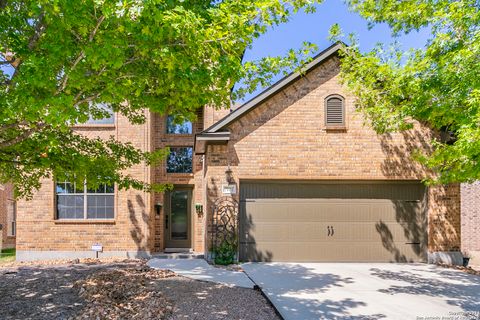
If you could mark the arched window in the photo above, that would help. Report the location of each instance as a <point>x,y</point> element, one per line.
<point>334,111</point>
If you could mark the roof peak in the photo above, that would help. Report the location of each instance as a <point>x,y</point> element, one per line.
<point>273,89</point>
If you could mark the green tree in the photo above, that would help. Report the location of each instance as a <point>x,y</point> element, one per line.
<point>438,85</point>
<point>68,58</point>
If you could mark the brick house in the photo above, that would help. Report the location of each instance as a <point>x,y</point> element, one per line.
<point>309,180</point>
<point>7,217</point>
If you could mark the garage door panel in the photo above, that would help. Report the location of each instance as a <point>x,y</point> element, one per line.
<point>286,210</point>
<point>295,231</point>
<point>336,229</point>
<point>302,252</point>
<point>343,232</point>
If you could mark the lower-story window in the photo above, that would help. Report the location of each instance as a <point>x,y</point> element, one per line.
<point>11,218</point>
<point>78,202</point>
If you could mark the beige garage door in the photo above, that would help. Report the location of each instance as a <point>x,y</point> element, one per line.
<point>332,222</point>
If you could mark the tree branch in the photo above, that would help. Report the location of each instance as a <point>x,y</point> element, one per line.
<point>87,99</point>
<point>12,125</point>
<point>65,78</point>
<point>24,135</point>
<point>39,28</point>
<point>79,58</point>
<point>94,32</point>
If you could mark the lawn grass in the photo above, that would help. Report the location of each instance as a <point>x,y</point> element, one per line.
<point>7,255</point>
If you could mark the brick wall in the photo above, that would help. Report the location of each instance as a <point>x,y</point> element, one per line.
<point>444,218</point>
<point>194,180</point>
<point>38,230</point>
<point>470,208</point>
<point>286,138</point>
<point>7,207</point>
<point>213,115</point>
<point>136,227</point>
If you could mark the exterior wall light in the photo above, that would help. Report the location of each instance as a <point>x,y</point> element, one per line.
<point>229,175</point>
<point>158,208</point>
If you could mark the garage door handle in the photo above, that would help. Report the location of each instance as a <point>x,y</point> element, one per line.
<point>330,231</point>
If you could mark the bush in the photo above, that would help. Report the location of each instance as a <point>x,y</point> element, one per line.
<point>225,253</point>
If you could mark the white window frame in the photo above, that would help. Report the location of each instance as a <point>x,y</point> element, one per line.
<point>12,228</point>
<point>98,122</point>
<point>85,195</point>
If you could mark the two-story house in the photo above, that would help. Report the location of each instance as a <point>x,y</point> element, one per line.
<point>310,180</point>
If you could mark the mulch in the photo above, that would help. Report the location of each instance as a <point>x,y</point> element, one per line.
<point>118,289</point>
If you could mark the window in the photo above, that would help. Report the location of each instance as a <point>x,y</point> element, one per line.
<point>11,218</point>
<point>334,111</point>
<point>78,202</point>
<point>110,119</point>
<point>180,160</point>
<point>175,127</point>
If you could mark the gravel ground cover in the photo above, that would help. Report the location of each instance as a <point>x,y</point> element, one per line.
<point>118,289</point>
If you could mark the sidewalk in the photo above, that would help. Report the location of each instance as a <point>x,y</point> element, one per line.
<point>199,269</point>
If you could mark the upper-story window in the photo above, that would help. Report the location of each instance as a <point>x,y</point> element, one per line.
<point>74,201</point>
<point>174,126</point>
<point>180,160</point>
<point>109,117</point>
<point>335,111</point>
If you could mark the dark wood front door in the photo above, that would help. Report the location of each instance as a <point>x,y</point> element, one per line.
<point>178,218</point>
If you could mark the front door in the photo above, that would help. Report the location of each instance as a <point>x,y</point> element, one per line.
<point>178,219</point>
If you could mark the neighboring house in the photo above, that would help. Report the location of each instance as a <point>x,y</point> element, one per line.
<point>7,217</point>
<point>471,221</point>
<point>310,181</point>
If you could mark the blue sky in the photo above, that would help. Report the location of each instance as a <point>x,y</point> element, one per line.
<point>315,27</point>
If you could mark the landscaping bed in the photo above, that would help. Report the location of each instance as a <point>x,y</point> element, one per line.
<point>118,289</point>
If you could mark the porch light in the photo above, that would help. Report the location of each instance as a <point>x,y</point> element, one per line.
<point>229,175</point>
<point>158,208</point>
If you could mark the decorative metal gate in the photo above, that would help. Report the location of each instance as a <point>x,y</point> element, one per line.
<point>224,226</point>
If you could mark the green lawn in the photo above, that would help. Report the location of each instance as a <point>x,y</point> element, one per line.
<point>7,255</point>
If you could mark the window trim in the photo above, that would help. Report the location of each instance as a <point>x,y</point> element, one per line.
<point>12,227</point>
<point>180,173</point>
<point>99,125</point>
<point>177,134</point>
<point>85,195</point>
<point>96,125</point>
<point>342,125</point>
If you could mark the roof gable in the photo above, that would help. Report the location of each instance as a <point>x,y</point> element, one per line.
<point>274,89</point>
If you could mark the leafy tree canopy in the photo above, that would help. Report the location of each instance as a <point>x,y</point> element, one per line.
<point>438,85</point>
<point>70,57</point>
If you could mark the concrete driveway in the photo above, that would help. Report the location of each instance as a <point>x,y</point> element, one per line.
<point>367,290</point>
